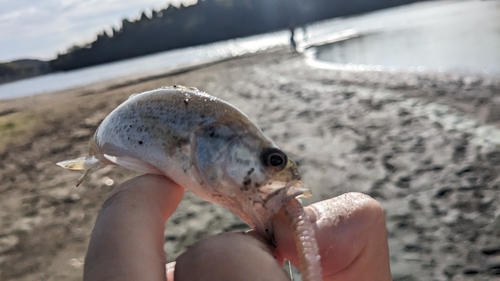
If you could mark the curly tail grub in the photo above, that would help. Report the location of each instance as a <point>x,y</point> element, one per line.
<point>305,240</point>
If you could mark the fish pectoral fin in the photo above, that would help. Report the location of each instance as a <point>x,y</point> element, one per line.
<point>133,164</point>
<point>81,163</point>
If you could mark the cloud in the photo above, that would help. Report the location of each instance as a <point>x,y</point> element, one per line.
<point>40,29</point>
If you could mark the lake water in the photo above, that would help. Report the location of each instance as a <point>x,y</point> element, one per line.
<point>437,35</point>
<point>143,66</point>
<point>461,37</point>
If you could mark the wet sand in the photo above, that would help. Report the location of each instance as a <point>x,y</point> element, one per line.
<point>426,146</point>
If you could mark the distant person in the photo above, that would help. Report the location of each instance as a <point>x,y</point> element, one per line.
<point>293,44</point>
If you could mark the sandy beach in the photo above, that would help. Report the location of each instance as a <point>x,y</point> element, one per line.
<point>426,146</point>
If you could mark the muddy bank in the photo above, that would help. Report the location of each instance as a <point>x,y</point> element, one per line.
<point>424,146</point>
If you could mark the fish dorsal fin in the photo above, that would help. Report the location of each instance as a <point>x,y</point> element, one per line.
<point>133,95</point>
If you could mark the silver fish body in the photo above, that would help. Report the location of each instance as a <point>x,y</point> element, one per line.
<point>202,143</point>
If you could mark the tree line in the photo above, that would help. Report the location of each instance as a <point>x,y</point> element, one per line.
<point>205,22</point>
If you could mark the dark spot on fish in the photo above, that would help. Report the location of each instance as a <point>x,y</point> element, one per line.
<point>246,183</point>
<point>256,185</point>
<point>182,142</point>
<point>245,162</point>
<point>270,196</point>
<point>212,134</point>
<point>140,142</point>
<point>202,116</point>
<point>272,240</point>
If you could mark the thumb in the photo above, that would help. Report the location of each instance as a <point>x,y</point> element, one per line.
<point>351,235</point>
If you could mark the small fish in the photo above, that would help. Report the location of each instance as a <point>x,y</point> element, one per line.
<point>205,145</point>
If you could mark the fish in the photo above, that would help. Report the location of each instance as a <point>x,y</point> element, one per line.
<point>211,148</point>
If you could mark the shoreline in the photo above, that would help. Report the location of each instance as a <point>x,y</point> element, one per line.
<point>384,134</point>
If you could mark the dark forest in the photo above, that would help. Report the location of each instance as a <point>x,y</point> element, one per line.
<point>207,21</point>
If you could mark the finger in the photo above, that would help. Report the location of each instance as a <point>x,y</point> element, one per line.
<point>229,256</point>
<point>351,235</point>
<point>169,269</point>
<point>127,239</point>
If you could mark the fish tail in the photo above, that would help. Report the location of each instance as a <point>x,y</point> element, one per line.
<point>80,163</point>
<point>87,163</point>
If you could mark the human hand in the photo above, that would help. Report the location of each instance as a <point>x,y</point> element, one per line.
<point>127,240</point>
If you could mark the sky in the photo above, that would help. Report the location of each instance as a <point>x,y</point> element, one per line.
<point>39,29</point>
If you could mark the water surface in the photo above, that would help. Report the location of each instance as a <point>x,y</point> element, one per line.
<point>142,66</point>
<point>451,36</point>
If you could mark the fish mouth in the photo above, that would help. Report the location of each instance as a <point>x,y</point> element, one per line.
<point>279,192</point>
<point>296,189</point>
<point>271,199</point>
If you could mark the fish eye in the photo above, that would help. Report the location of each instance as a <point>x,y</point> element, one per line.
<point>274,158</point>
